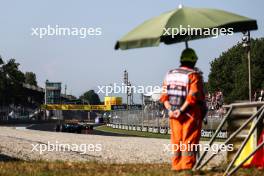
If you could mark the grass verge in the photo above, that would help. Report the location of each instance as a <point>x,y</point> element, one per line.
<point>41,168</point>
<point>107,129</point>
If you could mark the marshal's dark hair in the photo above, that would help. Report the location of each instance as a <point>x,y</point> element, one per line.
<point>188,64</point>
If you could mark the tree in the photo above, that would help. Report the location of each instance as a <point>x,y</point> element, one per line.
<point>1,80</point>
<point>91,97</point>
<point>12,80</point>
<point>30,78</point>
<point>229,72</point>
<point>206,87</point>
<point>1,61</point>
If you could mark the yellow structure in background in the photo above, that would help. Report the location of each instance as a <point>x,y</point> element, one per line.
<point>108,101</point>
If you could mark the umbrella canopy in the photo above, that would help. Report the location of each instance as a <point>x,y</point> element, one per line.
<point>156,30</point>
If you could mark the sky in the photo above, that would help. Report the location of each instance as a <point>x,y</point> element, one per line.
<point>87,63</point>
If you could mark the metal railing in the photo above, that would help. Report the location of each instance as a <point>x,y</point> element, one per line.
<point>153,119</point>
<point>139,118</point>
<point>258,116</point>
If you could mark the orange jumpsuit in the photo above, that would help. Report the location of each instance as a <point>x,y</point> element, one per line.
<point>186,129</point>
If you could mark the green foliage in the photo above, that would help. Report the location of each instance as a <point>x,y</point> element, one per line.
<point>30,78</point>
<point>1,79</point>
<point>1,61</point>
<point>91,97</point>
<point>11,83</point>
<point>11,79</point>
<point>206,87</point>
<point>229,72</point>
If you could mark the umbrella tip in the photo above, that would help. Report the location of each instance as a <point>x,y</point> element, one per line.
<point>180,6</point>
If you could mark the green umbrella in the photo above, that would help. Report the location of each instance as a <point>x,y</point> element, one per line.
<point>164,27</point>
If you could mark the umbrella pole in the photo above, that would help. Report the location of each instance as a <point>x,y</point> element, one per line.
<point>249,69</point>
<point>246,45</point>
<point>186,44</point>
